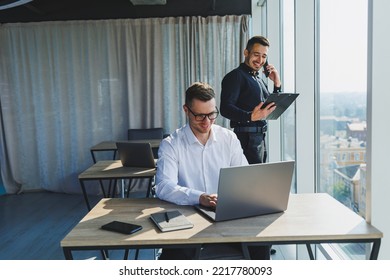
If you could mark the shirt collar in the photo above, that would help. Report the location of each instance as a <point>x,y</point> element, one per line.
<point>249,70</point>
<point>191,138</point>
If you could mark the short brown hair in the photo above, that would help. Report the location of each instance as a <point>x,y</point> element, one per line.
<point>256,40</point>
<point>200,91</point>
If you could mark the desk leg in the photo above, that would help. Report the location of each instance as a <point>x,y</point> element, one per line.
<point>310,251</point>
<point>197,252</point>
<point>93,157</point>
<point>67,253</point>
<point>105,254</point>
<point>149,187</point>
<point>245,251</point>
<point>85,194</point>
<point>102,188</point>
<point>113,190</point>
<point>126,256</point>
<point>128,187</point>
<point>375,249</point>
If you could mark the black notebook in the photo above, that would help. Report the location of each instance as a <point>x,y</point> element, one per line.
<point>171,220</point>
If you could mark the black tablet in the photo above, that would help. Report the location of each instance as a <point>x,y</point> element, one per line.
<point>121,227</point>
<point>282,102</point>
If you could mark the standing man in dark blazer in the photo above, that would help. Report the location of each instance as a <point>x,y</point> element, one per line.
<point>243,94</point>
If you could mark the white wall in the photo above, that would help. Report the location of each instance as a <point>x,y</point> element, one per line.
<point>378,149</point>
<point>305,85</point>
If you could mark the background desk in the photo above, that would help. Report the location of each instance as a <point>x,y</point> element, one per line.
<point>113,169</point>
<point>309,219</point>
<point>110,146</point>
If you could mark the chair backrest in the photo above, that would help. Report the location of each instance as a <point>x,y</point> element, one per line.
<point>145,133</point>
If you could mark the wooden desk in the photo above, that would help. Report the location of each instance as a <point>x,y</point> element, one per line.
<point>309,219</point>
<point>111,146</point>
<point>113,169</point>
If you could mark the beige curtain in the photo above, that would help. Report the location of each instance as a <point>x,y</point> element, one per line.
<point>66,86</point>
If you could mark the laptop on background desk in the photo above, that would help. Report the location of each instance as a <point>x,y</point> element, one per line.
<point>251,190</point>
<point>136,154</point>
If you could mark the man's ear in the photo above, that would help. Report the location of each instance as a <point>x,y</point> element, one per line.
<point>185,109</point>
<point>246,53</point>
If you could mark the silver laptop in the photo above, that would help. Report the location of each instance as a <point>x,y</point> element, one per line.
<point>136,154</point>
<point>251,190</point>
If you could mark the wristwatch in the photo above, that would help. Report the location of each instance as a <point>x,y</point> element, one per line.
<point>277,89</point>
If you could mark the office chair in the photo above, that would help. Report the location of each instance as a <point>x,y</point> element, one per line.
<point>145,133</point>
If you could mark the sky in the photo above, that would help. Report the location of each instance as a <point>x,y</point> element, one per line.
<point>343,45</point>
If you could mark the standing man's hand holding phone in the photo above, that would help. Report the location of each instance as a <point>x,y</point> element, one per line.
<point>266,72</point>
<point>270,72</point>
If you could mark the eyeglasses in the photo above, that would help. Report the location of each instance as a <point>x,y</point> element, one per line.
<point>201,117</point>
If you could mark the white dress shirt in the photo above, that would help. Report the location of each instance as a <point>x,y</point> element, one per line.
<point>186,168</point>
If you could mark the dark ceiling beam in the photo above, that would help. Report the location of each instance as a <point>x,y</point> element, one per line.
<point>55,10</point>
<point>34,9</point>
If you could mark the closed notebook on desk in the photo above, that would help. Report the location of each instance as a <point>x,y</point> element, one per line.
<point>170,220</point>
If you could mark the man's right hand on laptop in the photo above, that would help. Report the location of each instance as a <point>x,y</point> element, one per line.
<point>208,200</point>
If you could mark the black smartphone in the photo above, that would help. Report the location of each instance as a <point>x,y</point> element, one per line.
<point>121,227</point>
<point>266,72</point>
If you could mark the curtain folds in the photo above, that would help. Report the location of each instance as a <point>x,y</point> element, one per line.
<point>66,86</point>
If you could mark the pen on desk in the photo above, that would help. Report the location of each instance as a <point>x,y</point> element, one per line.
<point>166,217</point>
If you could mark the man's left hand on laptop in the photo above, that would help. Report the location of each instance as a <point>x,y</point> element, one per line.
<point>208,200</point>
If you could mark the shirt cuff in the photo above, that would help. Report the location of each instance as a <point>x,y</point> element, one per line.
<point>249,115</point>
<point>194,197</point>
<point>277,89</point>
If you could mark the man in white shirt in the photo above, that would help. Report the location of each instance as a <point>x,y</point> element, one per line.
<point>189,160</point>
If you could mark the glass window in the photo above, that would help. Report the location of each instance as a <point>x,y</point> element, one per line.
<point>342,101</point>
